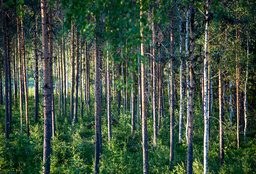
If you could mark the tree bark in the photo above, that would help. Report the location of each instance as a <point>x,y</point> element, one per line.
<point>108,100</point>
<point>181,86</point>
<point>98,97</point>
<point>25,74</point>
<point>36,75</point>
<point>191,88</point>
<point>221,150</point>
<point>187,70</point>
<point>47,86</point>
<point>77,75</point>
<point>72,76</point>
<point>143,101</point>
<point>154,82</point>
<point>245,91</point>
<point>205,103</point>
<point>171,158</point>
<point>237,94</point>
<point>20,75</point>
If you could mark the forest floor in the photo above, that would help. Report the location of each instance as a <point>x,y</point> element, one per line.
<point>74,153</point>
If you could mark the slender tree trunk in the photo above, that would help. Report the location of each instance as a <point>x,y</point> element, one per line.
<point>245,92</point>
<point>138,96</point>
<point>231,111</point>
<point>221,150</point>
<point>72,76</point>
<point>77,75</point>
<point>118,90</point>
<point>124,104</point>
<point>98,97</point>
<point>25,74</point>
<point>20,74</point>
<point>154,82</point>
<point>181,86</point>
<point>64,76</point>
<point>191,89</point>
<point>15,75</point>
<point>133,104</point>
<point>144,103</point>
<point>237,95</point>
<point>9,81</point>
<point>36,76</point>
<point>171,158</point>
<point>187,71</point>
<point>47,86</point>
<point>50,32</point>
<point>206,113</point>
<point>159,93</point>
<point>108,100</point>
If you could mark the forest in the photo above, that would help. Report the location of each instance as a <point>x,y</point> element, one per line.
<point>136,86</point>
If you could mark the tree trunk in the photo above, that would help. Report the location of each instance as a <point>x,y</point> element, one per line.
<point>205,103</point>
<point>144,103</point>
<point>50,32</point>
<point>181,86</point>
<point>72,76</point>
<point>187,71</point>
<point>118,90</point>
<point>25,74</point>
<point>20,74</point>
<point>36,76</point>
<point>133,103</point>
<point>191,89</point>
<point>98,97</point>
<point>159,92</point>
<point>171,93</point>
<point>154,82</point>
<point>237,95</point>
<point>245,92</point>
<point>108,100</point>
<point>64,76</point>
<point>77,75</point>
<point>47,86</point>
<point>221,150</point>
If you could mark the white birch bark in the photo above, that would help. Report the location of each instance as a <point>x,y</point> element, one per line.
<point>206,115</point>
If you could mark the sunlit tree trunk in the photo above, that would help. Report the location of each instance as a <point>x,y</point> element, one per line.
<point>154,82</point>
<point>108,100</point>
<point>237,95</point>
<point>205,102</point>
<point>47,92</point>
<point>144,107</point>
